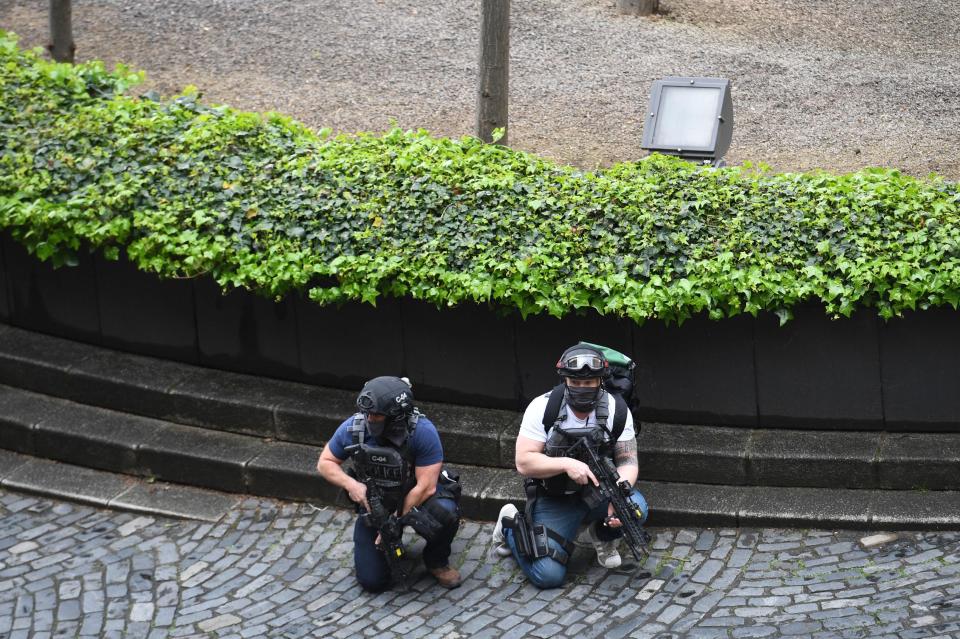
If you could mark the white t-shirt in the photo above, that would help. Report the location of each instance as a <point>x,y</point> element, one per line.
<point>531,426</point>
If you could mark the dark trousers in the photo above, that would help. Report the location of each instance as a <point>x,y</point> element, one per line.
<point>373,572</point>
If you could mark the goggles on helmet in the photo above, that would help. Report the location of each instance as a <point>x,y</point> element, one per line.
<point>366,404</point>
<point>583,360</point>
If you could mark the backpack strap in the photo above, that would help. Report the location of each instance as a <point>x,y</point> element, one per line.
<point>555,403</point>
<point>619,417</point>
<point>358,429</point>
<point>602,411</point>
<point>552,411</point>
<point>620,410</point>
<point>406,451</point>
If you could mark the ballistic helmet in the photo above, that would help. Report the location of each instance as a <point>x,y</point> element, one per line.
<point>582,362</point>
<point>389,396</point>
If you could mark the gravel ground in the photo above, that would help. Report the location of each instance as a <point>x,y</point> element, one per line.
<point>838,85</point>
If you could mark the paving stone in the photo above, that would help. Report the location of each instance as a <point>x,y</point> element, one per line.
<point>772,601</point>
<point>708,601</point>
<point>754,612</point>
<point>671,614</point>
<point>754,631</point>
<point>284,569</point>
<point>806,628</point>
<point>708,571</point>
<point>799,611</point>
<point>713,633</point>
<point>722,621</point>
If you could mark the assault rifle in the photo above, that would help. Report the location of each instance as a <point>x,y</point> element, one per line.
<point>612,488</point>
<point>387,524</point>
<point>384,521</point>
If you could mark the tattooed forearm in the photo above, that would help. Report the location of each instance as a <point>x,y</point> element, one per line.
<point>625,453</point>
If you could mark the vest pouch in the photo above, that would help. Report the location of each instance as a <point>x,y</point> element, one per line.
<point>573,434</point>
<point>385,468</point>
<point>592,497</point>
<point>559,486</point>
<point>558,444</point>
<point>448,485</point>
<point>383,465</point>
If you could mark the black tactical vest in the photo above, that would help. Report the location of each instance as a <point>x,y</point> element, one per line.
<point>391,469</point>
<point>558,443</point>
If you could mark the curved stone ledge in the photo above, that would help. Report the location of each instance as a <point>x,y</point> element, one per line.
<point>282,474</point>
<point>119,395</point>
<point>858,373</point>
<point>97,408</point>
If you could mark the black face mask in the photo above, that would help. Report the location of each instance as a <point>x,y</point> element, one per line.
<point>582,399</point>
<point>394,431</point>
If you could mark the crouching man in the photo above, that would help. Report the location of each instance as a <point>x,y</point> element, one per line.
<point>563,492</point>
<point>395,481</point>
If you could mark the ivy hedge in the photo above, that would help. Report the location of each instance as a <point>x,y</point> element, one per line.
<point>260,201</point>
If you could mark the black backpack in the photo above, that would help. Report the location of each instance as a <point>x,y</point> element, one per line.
<point>619,384</point>
<point>620,381</point>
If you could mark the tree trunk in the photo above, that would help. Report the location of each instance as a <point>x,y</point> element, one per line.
<point>638,7</point>
<point>61,45</point>
<point>493,90</point>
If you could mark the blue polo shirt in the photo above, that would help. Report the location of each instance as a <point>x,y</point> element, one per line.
<point>424,445</point>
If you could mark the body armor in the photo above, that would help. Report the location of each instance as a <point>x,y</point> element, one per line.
<point>560,440</point>
<point>391,469</point>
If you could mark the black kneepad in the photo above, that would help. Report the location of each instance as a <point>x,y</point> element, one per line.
<point>444,516</point>
<point>430,519</point>
<point>423,522</point>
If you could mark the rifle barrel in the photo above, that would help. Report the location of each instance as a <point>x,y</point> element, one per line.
<point>613,489</point>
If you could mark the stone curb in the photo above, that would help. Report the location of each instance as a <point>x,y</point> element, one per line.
<point>110,490</point>
<point>800,458</point>
<point>96,438</point>
<point>223,401</point>
<point>304,414</point>
<point>284,470</point>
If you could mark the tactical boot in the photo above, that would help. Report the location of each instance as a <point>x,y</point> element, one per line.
<point>446,576</point>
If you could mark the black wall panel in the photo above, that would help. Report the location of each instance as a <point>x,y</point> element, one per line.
<point>245,332</point>
<point>141,313</point>
<point>815,371</point>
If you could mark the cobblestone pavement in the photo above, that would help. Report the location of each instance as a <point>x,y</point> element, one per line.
<point>276,569</point>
